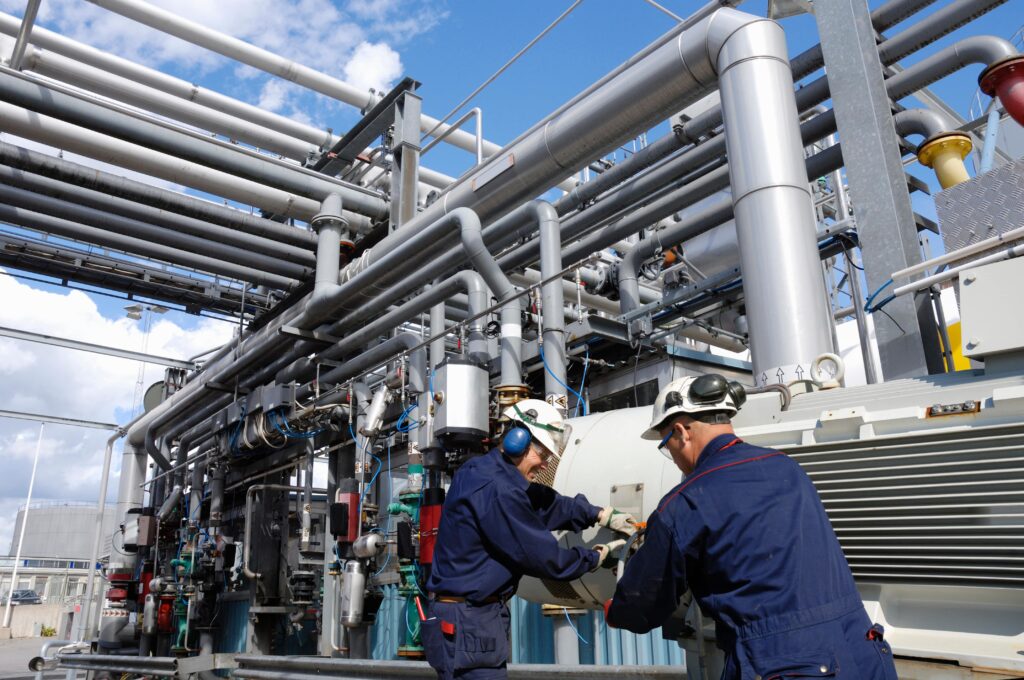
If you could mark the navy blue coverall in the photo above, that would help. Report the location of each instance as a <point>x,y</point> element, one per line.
<point>746,532</point>
<point>495,528</point>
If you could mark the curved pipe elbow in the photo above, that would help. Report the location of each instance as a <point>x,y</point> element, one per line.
<point>922,122</point>
<point>629,285</point>
<point>987,50</point>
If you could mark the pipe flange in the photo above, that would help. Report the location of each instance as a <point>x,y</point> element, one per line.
<point>326,217</point>
<point>942,142</point>
<point>994,74</point>
<point>507,395</point>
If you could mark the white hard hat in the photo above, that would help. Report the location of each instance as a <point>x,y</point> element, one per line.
<point>544,422</point>
<point>694,394</point>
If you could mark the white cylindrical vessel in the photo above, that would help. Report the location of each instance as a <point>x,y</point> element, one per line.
<point>608,462</point>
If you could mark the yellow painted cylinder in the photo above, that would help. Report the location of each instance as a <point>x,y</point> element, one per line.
<point>945,154</point>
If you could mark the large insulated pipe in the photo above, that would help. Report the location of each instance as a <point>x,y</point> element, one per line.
<point>145,232</point>
<point>151,196</point>
<point>552,305</point>
<point>505,292</point>
<point>669,78</point>
<point>113,205</point>
<point>166,139</point>
<point>54,132</point>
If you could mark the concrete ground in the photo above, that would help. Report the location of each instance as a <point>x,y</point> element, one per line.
<point>15,655</point>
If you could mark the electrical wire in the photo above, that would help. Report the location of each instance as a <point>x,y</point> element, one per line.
<point>501,70</point>
<point>573,625</point>
<point>871,298</point>
<point>583,383</point>
<point>540,350</point>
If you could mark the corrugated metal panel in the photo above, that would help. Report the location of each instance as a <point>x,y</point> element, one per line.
<point>932,508</point>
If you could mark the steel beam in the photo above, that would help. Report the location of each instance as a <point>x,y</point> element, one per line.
<point>906,333</point>
<point>96,349</point>
<point>74,422</point>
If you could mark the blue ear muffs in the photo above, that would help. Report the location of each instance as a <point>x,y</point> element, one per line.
<point>516,441</point>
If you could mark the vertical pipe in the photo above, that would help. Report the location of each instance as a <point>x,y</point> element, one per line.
<point>307,496</point>
<point>217,473</point>
<point>24,523</point>
<point>82,624</point>
<point>940,314</point>
<point>329,224</point>
<point>988,149</point>
<point>553,301</point>
<point>27,22</point>
<point>775,225</point>
<point>567,645</point>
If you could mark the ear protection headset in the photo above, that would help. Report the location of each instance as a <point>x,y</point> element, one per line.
<point>516,441</point>
<point>710,390</point>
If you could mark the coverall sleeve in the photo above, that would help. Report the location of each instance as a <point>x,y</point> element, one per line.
<point>558,512</point>
<point>518,536</point>
<point>653,582</point>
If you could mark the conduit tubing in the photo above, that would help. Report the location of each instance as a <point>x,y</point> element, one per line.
<point>171,222</point>
<point>186,145</point>
<point>36,220</point>
<point>137,192</point>
<point>54,132</point>
<point>117,225</point>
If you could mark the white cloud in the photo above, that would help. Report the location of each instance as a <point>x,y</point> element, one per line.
<point>70,383</point>
<point>373,65</point>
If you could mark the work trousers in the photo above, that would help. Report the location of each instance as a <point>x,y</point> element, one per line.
<point>467,642</point>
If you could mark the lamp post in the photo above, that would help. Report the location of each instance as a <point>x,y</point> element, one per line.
<point>21,534</point>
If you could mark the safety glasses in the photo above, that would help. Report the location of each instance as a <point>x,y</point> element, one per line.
<point>664,441</point>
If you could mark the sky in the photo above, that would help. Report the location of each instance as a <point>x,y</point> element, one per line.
<point>450,46</point>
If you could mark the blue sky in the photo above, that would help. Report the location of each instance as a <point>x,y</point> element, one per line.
<point>450,46</point>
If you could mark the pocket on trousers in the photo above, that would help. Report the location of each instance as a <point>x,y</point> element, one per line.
<point>876,638</point>
<point>481,637</point>
<point>434,645</point>
<point>806,665</point>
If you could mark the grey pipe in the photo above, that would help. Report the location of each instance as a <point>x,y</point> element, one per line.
<point>469,281</point>
<point>504,291</point>
<point>62,227</point>
<point>112,205</point>
<point>107,62</point>
<point>57,67</point>
<point>376,356</point>
<point>145,232</point>
<point>919,35</point>
<point>165,139</point>
<point>934,26</point>
<point>137,192</point>
<point>553,301</point>
<point>329,225</point>
<point>170,503</point>
<point>437,316</point>
<point>675,74</point>
<point>923,122</point>
<point>28,20</point>
<point>217,473</point>
<point>979,49</point>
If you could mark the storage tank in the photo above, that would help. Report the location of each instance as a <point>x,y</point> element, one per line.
<point>61,529</point>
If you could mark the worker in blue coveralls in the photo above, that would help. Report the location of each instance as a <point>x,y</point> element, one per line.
<point>747,534</point>
<point>495,528</point>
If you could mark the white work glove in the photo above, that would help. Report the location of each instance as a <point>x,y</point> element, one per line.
<point>605,553</point>
<point>616,520</point>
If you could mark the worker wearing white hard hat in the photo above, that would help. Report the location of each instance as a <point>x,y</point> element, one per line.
<point>747,534</point>
<point>495,528</point>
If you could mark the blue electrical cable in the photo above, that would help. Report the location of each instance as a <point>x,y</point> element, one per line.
<point>583,383</point>
<point>574,629</point>
<point>540,350</point>
<point>373,479</point>
<point>871,298</point>
<point>404,418</point>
